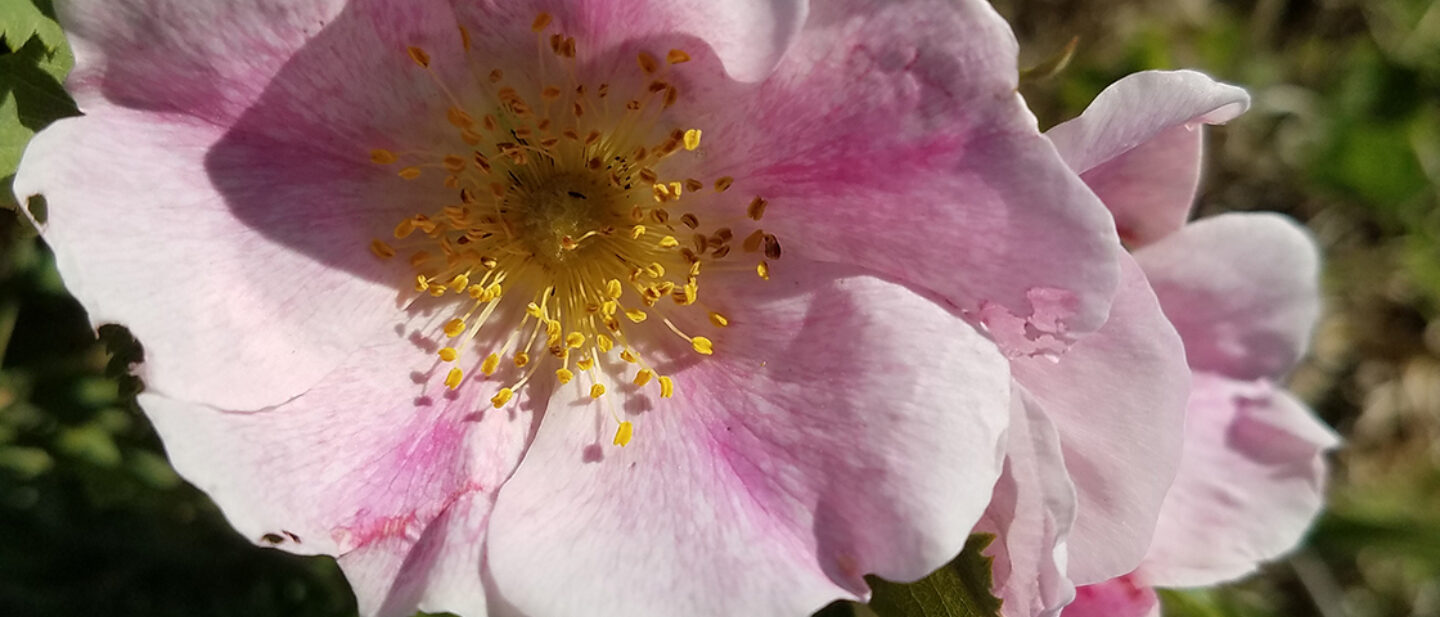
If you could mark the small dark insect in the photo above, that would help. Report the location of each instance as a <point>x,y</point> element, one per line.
<point>272,538</point>
<point>577,195</point>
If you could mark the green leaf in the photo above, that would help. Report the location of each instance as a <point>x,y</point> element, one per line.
<point>22,19</point>
<point>959,589</point>
<point>31,97</point>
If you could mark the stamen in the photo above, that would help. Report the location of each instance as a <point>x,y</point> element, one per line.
<point>566,198</point>
<point>624,433</point>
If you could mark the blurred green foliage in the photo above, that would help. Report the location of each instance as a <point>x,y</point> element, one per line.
<point>1344,135</point>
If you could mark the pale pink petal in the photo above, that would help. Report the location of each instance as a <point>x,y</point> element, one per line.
<point>1138,146</point>
<point>1252,480</point>
<point>438,573</point>
<point>215,60</point>
<point>1031,512</point>
<point>1118,399</point>
<point>748,36</point>
<point>238,204</point>
<point>1123,596</point>
<point>161,249</point>
<point>378,463</point>
<point>891,136</point>
<point>1242,289</point>
<point>844,425</point>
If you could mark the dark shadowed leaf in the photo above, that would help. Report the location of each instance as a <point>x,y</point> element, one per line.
<point>959,589</point>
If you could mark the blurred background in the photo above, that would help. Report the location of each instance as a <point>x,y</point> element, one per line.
<point>1344,136</point>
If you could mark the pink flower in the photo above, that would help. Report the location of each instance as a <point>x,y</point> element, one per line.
<point>474,294</point>
<point>1241,290</point>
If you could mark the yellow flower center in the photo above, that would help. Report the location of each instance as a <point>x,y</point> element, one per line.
<point>562,204</point>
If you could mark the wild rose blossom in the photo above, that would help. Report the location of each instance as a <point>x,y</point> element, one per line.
<point>1241,289</point>
<point>642,308</point>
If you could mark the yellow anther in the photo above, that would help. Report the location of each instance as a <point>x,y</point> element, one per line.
<point>637,231</point>
<point>575,340</point>
<point>521,359</point>
<point>501,397</point>
<point>409,173</point>
<point>692,139</point>
<point>419,56</point>
<point>437,290</point>
<point>613,289</point>
<point>643,377</point>
<point>676,56</point>
<point>635,315</point>
<point>756,209</point>
<point>459,283</point>
<point>597,390</point>
<point>647,63</point>
<point>477,292</point>
<point>676,189</point>
<point>753,241</point>
<point>493,291</point>
<point>404,228</point>
<point>422,283</point>
<point>667,387</point>
<point>585,363</point>
<point>541,21</point>
<point>381,156</point>
<point>381,250</point>
<point>454,327</point>
<point>564,375</point>
<point>604,342</point>
<point>489,365</point>
<point>609,307</point>
<point>669,242</point>
<point>763,269</point>
<point>533,310</point>
<point>719,320</point>
<point>449,354</point>
<point>624,433</point>
<point>662,192</point>
<point>552,331</point>
<point>629,356</point>
<point>702,345</point>
<point>685,296</point>
<point>452,379</point>
<point>655,270</point>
